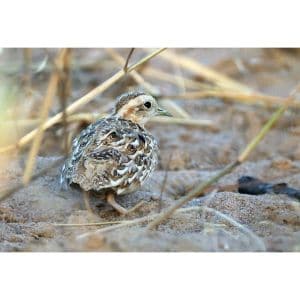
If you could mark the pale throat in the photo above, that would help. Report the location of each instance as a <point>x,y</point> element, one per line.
<point>132,116</point>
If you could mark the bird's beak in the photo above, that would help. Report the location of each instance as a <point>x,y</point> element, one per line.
<point>161,112</point>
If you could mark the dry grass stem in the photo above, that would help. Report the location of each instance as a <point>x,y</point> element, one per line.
<point>64,92</point>
<point>192,194</point>
<point>260,99</point>
<point>128,59</point>
<point>174,79</point>
<point>117,226</point>
<point>87,224</point>
<point>205,72</point>
<point>187,122</point>
<point>86,200</point>
<point>92,117</point>
<point>50,94</point>
<point>179,78</point>
<point>175,109</point>
<point>122,224</point>
<point>134,74</point>
<point>229,168</point>
<point>238,225</point>
<point>79,103</point>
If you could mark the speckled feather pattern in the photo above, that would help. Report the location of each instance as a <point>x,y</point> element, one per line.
<point>111,154</point>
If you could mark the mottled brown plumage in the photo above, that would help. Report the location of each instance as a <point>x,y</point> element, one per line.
<point>115,154</point>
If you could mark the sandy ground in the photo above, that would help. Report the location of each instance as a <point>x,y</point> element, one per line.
<point>232,222</point>
<point>273,220</point>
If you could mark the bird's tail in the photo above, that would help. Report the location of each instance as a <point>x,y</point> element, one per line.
<point>64,178</point>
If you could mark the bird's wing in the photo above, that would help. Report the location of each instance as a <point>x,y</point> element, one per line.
<point>80,143</point>
<point>105,161</point>
<point>101,155</point>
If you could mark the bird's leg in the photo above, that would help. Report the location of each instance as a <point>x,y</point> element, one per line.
<point>86,199</point>
<point>138,205</point>
<point>110,197</point>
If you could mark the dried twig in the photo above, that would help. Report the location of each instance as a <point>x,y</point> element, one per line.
<point>174,79</point>
<point>137,221</point>
<point>79,103</point>
<point>229,168</point>
<point>87,224</point>
<point>187,122</point>
<point>128,59</point>
<point>64,91</point>
<point>134,74</point>
<point>254,98</point>
<point>239,226</point>
<point>204,90</point>
<point>175,109</point>
<point>92,117</point>
<point>117,226</point>
<point>210,75</point>
<point>192,194</point>
<point>179,77</point>
<point>51,91</point>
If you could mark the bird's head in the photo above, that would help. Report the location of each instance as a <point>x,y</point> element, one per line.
<point>138,107</point>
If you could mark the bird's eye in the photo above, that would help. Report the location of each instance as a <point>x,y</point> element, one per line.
<point>147,104</point>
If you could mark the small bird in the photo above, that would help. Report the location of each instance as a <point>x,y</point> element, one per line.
<point>116,154</point>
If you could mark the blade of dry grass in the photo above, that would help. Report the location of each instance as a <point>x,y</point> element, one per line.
<point>128,59</point>
<point>50,94</point>
<point>174,79</point>
<point>87,224</point>
<point>228,169</point>
<point>187,122</point>
<point>134,74</point>
<point>64,92</point>
<point>205,72</point>
<point>92,117</point>
<point>169,105</point>
<point>179,77</point>
<point>254,98</point>
<point>79,103</point>
<point>238,225</point>
<point>204,90</point>
<point>174,109</point>
<point>122,224</point>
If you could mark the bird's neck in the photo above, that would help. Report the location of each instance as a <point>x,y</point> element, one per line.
<point>131,117</point>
